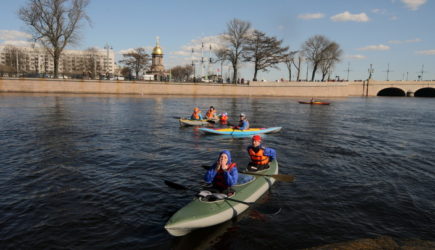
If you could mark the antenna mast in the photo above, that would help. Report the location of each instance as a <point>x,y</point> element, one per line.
<point>388,71</point>
<point>348,70</point>
<point>420,77</point>
<point>193,67</point>
<point>202,59</point>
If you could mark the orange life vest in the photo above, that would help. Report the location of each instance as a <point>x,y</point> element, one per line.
<point>210,114</point>
<point>258,158</point>
<point>195,116</point>
<point>219,179</point>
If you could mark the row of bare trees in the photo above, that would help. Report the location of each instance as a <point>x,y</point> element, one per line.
<point>240,44</point>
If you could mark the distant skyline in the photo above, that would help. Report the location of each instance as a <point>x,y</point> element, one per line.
<point>396,36</point>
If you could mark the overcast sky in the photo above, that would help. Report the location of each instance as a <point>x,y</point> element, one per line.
<point>398,33</point>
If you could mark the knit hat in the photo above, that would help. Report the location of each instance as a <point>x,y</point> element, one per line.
<point>256,138</point>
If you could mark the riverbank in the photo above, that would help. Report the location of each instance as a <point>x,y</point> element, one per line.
<point>269,89</point>
<point>315,89</point>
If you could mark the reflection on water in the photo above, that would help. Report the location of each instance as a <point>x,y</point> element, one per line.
<point>83,171</point>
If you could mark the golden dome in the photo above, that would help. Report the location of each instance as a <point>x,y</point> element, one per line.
<point>157,50</point>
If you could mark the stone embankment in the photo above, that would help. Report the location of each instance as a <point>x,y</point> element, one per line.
<point>270,89</point>
<point>315,89</point>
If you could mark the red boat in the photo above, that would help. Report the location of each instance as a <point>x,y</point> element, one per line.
<point>314,103</point>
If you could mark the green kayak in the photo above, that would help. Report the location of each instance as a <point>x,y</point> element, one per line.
<point>189,122</point>
<point>199,214</point>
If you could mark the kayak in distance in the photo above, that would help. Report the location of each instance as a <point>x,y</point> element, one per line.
<point>201,212</point>
<point>314,103</point>
<point>189,122</point>
<point>231,131</point>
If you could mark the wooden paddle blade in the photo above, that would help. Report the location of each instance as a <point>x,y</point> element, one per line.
<point>175,185</point>
<point>206,167</point>
<point>283,177</point>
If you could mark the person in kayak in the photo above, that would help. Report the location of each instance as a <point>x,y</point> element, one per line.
<point>196,115</point>
<point>211,113</point>
<point>223,174</point>
<point>243,122</point>
<point>260,156</point>
<point>224,118</point>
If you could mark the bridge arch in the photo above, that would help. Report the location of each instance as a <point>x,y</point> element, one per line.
<point>391,92</point>
<point>425,92</point>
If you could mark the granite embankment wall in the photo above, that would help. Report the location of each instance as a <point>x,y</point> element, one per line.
<point>311,89</point>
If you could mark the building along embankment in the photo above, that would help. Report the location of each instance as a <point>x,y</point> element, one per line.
<point>269,89</point>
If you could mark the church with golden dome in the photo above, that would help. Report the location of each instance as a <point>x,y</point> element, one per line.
<point>157,69</point>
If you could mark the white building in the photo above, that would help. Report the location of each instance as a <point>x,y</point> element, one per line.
<point>93,62</point>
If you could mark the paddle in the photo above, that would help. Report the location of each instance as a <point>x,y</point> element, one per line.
<point>218,196</point>
<point>278,177</point>
<point>178,118</point>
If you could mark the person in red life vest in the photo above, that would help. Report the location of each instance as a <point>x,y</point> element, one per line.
<point>260,156</point>
<point>196,115</point>
<point>243,123</point>
<point>211,113</point>
<point>224,118</point>
<point>222,174</point>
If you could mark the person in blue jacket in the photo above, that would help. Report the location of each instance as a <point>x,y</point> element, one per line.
<point>223,174</point>
<point>243,123</point>
<point>260,156</point>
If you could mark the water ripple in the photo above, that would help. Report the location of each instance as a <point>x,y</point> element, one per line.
<point>87,172</point>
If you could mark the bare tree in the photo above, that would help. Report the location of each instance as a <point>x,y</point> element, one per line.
<point>5,69</point>
<point>90,65</point>
<point>264,51</point>
<point>181,73</point>
<point>137,60</point>
<point>297,61</point>
<point>331,55</point>
<point>313,50</point>
<point>288,61</point>
<point>126,72</point>
<point>236,37</point>
<point>221,57</point>
<point>54,23</point>
<point>14,59</point>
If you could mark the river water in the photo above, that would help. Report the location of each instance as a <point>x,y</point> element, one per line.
<point>86,172</point>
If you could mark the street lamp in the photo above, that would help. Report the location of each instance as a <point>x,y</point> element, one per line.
<point>193,66</point>
<point>106,66</point>
<point>370,70</point>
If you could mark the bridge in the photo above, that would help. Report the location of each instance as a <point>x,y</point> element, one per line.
<point>398,88</point>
